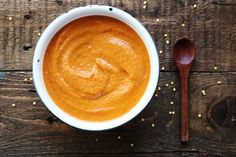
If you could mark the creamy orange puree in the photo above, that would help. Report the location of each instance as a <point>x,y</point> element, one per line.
<point>96,68</point>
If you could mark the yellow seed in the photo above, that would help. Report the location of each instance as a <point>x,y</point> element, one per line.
<point>171,82</point>
<point>25,79</point>
<point>142,119</point>
<point>219,82</point>
<point>203,92</point>
<point>167,41</point>
<point>195,5</point>
<point>9,18</point>
<point>118,137</point>
<point>157,20</point>
<point>171,102</point>
<point>153,125</point>
<point>34,103</point>
<point>199,115</point>
<point>131,144</point>
<point>160,51</point>
<point>159,88</point>
<point>163,68</point>
<point>215,68</point>
<point>174,89</point>
<point>39,34</point>
<point>167,84</point>
<point>183,25</point>
<point>144,2</point>
<point>13,105</point>
<point>165,35</point>
<point>144,7</point>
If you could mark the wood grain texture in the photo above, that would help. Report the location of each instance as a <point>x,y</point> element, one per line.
<point>211,25</point>
<point>28,129</point>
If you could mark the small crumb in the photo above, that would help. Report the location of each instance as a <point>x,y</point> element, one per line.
<point>173,112</point>
<point>156,95</point>
<point>171,102</point>
<point>174,89</point>
<point>142,119</point>
<point>159,88</point>
<point>144,7</point>
<point>153,125</point>
<point>96,139</point>
<point>144,2</point>
<point>131,145</point>
<point>195,6</point>
<point>119,137</point>
<point>160,51</point>
<point>13,105</point>
<point>157,20</point>
<point>39,34</point>
<point>215,68</point>
<point>203,92</point>
<point>9,18</point>
<point>219,82</point>
<point>25,79</point>
<point>167,41</point>
<point>34,102</point>
<point>171,82</point>
<point>170,112</point>
<point>163,68</point>
<point>167,84</point>
<point>183,25</point>
<point>165,35</point>
<point>30,78</point>
<point>199,115</point>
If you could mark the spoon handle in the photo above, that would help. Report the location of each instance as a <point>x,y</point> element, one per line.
<point>184,107</point>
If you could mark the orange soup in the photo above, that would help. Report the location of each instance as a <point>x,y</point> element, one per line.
<point>96,68</point>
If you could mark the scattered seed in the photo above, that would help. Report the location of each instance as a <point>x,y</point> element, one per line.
<point>9,18</point>
<point>163,68</point>
<point>159,88</point>
<point>131,145</point>
<point>171,102</point>
<point>219,82</point>
<point>13,105</point>
<point>167,41</point>
<point>173,112</point>
<point>165,35</point>
<point>199,115</point>
<point>203,92</point>
<point>183,25</point>
<point>144,7</point>
<point>144,2</point>
<point>157,19</point>
<point>174,89</point>
<point>195,6</point>
<point>119,137</point>
<point>39,34</point>
<point>171,82</point>
<point>153,125</point>
<point>167,84</point>
<point>160,51</point>
<point>156,95</point>
<point>96,139</point>
<point>34,103</point>
<point>170,112</point>
<point>142,119</point>
<point>215,68</point>
<point>30,78</point>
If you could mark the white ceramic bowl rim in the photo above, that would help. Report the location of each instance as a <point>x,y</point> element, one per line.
<point>66,18</point>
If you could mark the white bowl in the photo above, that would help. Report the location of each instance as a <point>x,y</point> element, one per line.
<point>66,18</point>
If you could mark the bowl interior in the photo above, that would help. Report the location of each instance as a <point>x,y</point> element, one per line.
<point>66,18</point>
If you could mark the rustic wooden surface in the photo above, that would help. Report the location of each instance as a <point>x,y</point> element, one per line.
<point>31,130</point>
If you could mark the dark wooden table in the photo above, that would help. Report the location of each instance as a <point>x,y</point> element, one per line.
<point>27,128</point>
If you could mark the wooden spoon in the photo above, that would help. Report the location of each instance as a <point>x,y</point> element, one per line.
<point>183,55</point>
